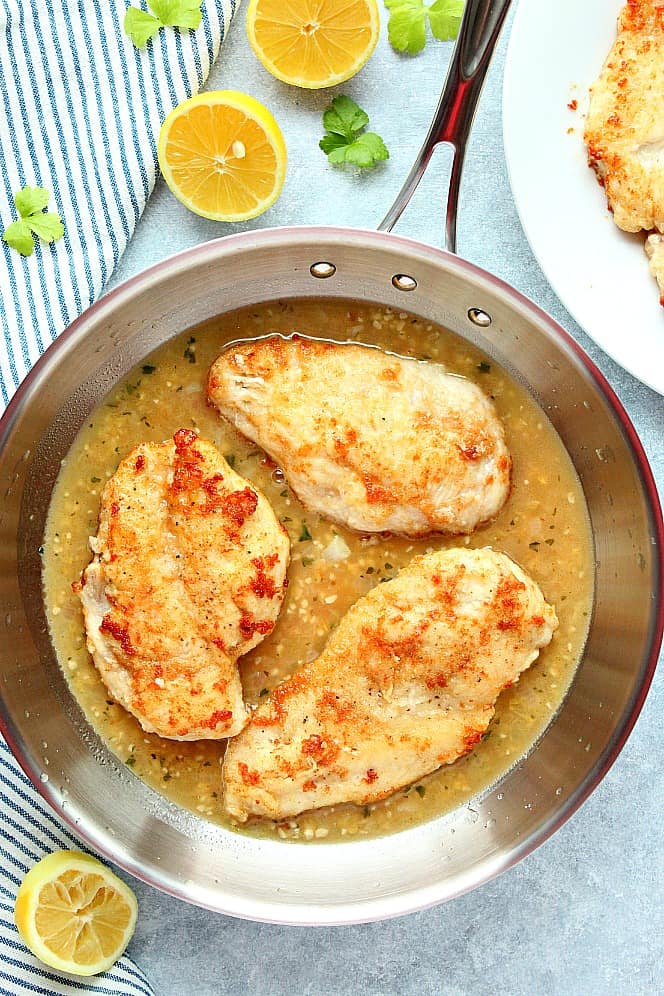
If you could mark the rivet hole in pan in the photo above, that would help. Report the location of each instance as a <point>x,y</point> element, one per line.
<point>403,282</point>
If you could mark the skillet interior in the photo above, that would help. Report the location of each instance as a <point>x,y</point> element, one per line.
<point>298,883</point>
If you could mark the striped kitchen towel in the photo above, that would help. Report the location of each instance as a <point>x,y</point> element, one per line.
<point>29,831</point>
<point>81,112</point>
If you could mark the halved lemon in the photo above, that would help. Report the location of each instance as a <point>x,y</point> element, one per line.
<point>313,43</point>
<point>223,155</point>
<point>74,914</point>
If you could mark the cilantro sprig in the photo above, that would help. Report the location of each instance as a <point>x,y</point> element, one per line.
<point>141,26</point>
<point>407,26</point>
<point>345,140</point>
<point>30,203</point>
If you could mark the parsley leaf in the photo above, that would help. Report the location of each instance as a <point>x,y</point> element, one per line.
<point>30,203</point>
<point>48,227</point>
<point>445,18</point>
<point>177,13</point>
<point>330,143</point>
<point>345,140</point>
<point>344,117</point>
<point>140,26</point>
<point>406,28</point>
<point>29,200</point>
<point>18,236</point>
<point>367,150</point>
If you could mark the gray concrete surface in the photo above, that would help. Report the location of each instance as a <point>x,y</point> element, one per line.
<point>583,914</point>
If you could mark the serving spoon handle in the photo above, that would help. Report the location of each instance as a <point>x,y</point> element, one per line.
<point>478,34</point>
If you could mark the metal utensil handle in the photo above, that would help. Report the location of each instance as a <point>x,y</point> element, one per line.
<point>478,34</point>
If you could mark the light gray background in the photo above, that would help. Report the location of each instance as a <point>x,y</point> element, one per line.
<point>583,914</point>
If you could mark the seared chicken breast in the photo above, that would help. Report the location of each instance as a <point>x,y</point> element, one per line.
<point>375,441</point>
<point>407,682</point>
<point>189,572</point>
<point>624,130</point>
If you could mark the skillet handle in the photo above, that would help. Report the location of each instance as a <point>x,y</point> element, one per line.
<point>478,34</point>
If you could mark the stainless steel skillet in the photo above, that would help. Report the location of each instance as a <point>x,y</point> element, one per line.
<point>338,883</point>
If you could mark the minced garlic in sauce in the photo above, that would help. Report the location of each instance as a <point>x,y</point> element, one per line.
<point>544,527</point>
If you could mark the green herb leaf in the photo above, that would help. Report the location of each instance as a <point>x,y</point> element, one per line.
<point>367,150</point>
<point>407,25</point>
<point>29,200</point>
<point>344,117</point>
<point>48,227</point>
<point>304,533</point>
<point>331,142</point>
<point>445,18</point>
<point>407,28</point>
<point>30,203</point>
<point>147,368</point>
<point>177,13</point>
<point>19,237</point>
<point>345,140</point>
<point>140,26</point>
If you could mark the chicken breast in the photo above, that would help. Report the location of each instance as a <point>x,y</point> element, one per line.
<point>407,682</point>
<point>625,124</point>
<point>375,441</point>
<point>624,130</point>
<point>189,572</point>
<point>655,253</point>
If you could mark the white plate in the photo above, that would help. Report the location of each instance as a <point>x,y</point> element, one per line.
<point>599,273</point>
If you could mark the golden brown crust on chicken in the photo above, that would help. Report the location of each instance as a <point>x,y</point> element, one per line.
<point>407,683</point>
<point>624,130</point>
<point>375,441</point>
<point>188,574</point>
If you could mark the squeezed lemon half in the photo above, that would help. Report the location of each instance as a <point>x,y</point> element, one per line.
<point>74,914</point>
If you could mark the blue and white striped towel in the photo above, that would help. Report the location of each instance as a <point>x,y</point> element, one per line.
<point>29,831</point>
<point>81,112</point>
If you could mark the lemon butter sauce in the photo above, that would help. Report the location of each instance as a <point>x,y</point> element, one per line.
<point>543,526</point>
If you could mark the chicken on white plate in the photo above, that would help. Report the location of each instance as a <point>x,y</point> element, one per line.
<point>189,572</point>
<point>407,682</point>
<point>624,130</point>
<point>372,440</point>
<point>655,253</point>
